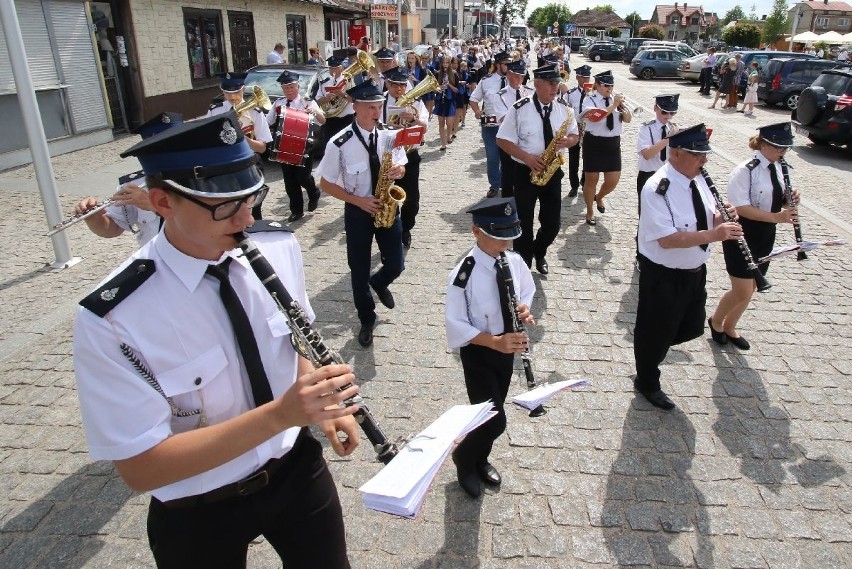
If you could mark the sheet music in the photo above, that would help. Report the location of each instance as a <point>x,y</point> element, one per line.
<point>803,246</point>
<point>535,397</point>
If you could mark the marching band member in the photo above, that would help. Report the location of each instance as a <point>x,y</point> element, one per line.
<point>335,124</point>
<point>678,222</point>
<point>511,94</point>
<point>296,177</point>
<point>527,130</point>
<point>602,142</point>
<point>188,388</point>
<point>397,81</point>
<point>349,171</point>
<point>485,101</point>
<point>476,321</point>
<point>575,99</point>
<point>445,103</point>
<point>756,189</point>
<point>652,144</point>
<point>386,59</point>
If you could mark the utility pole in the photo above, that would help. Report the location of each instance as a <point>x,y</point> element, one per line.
<point>796,18</point>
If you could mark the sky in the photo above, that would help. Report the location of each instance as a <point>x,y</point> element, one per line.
<point>645,9</point>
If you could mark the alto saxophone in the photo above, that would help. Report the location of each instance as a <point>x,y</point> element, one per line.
<point>552,158</point>
<point>389,194</point>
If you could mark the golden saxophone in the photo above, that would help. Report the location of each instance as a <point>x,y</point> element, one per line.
<point>552,158</point>
<point>389,194</point>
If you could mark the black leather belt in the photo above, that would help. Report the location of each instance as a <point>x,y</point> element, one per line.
<point>488,120</point>
<point>245,487</point>
<point>645,262</point>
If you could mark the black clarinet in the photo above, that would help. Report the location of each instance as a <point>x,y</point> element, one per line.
<point>518,326</point>
<point>762,284</point>
<point>788,197</point>
<point>309,344</point>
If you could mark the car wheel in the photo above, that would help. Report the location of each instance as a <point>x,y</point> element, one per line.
<point>791,101</point>
<point>597,57</point>
<point>647,73</point>
<point>811,104</point>
<point>817,141</point>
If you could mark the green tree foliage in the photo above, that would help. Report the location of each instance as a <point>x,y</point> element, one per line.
<point>614,33</point>
<point>822,45</point>
<point>592,32</point>
<point>507,10</point>
<point>606,8</point>
<point>735,13</point>
<point>777,23</point>
<point>652,31</point>
<point>546,15</point>
<point>633,18</point>
<point>745,34</point>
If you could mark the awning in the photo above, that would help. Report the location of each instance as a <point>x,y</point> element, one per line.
<point>806,37</point>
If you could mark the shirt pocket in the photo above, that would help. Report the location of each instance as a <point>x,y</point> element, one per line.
<point>201,383</point>
<point>352,174</point>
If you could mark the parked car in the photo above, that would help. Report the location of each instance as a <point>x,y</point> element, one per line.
<point>690,68</point>
<point>650,63</point>
<point>632,47</point>
<point>824,112</point>
<point>685,49</point>
<point>266,76</point>
<point>600,51</point>
<point>576,43</point>
<point>784,79</point>
<point>761,57</point>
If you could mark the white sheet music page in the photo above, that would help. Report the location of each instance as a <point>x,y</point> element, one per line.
<point>535,397</point>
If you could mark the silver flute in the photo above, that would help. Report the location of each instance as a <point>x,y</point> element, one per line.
<point>65,224</point>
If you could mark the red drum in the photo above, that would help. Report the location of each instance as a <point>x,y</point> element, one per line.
<point>294,138</point>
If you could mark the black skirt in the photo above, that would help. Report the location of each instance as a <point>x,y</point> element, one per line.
<point>760,238</point>
<point>601,153</point>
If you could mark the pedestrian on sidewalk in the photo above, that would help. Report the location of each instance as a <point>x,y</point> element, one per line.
<point>751,90</point>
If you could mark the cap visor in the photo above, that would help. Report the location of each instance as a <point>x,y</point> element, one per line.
<point>505,234</point>
<point>231,185</point>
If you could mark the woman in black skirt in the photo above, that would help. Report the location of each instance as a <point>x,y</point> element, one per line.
<point>758,191</point>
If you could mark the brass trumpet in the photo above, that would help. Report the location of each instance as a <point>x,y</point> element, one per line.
<point>633,108</point>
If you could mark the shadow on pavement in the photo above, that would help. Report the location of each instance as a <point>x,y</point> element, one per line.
<point>461,530</point>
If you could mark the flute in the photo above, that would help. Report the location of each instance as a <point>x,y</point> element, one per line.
<point>762,284</point>
<point>518,326</point>
<point>310,345</point>
<point>788,197</point>
<point>65,224</point>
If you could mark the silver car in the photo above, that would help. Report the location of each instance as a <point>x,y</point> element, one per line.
<point>690,68</point>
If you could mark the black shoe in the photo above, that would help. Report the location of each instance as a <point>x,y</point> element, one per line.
<point>385,296</point>
<point>541,265</point>
<point>406,238</point>
<point>739,342</point>
<point>491,193</point>
<point>489,474</point>
<point>295,217</point>
<point>659,399</point>
<point>313,202</point>
<point>719,337</point>
<point>573,192</point>
<point>468,479</point>
<point>365,335</point>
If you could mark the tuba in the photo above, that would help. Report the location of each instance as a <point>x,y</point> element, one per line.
<point>257,99</point>
<point>337,103</point>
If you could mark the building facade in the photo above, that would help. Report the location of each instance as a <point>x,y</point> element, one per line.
<point>820,17</point>
<point>680,21</point>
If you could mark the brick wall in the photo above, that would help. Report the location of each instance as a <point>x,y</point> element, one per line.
<point>161,40</point>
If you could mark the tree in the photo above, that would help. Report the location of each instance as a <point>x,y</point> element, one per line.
<point>633,18</point>
<point>752,14</point>
<point>591,32</point>
<point>777,23</point>
<point>745,34</point>
<point>507,11</point>
<point>606,8</point>
<point>614,33</point>
<point>546,15</point>
<point>735,13</point>
<point>652,31</point>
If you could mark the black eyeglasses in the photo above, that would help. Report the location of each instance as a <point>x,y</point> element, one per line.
<point>224,210</point>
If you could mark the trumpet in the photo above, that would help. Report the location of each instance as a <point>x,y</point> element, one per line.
<point>633,108</point>
<point>77,217</point>
<point>258,100</point>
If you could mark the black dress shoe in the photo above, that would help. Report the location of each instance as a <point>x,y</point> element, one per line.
<point>468,478</point>
<point>489,474</point>
<point>739,342</point>
<point>313,202</point>
<point>295,217</point>
<point>365,335</point>
<point>406,238</point>
<point>573,192</point>
<point>492,193</point>
<point>719,337</point>
<point>659,399</point>
<point>385,296</point>
<point>541,265</point>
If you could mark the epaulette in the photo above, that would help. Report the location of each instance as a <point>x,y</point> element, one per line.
<point>663,186</point>
<point>122,285</point>
<point>216,105</point>
<point>503,90</point>
<point>649,123</point>
<point>463,275</point>
<point>521,102</point>
<point>571,90</point>
<point>487,76</point>
<point>753,163</point>
<point>562,101</point>
<point>266,226</point>
<point>344,136</point>
<point>326,80</point>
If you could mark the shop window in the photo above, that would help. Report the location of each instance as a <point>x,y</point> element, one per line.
<point>204,43</point>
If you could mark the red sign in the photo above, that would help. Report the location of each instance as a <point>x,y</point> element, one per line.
<point>356,32</point>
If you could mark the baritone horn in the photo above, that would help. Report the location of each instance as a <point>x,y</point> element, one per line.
<point>257,99</point>
<point>427,85</point>
<point>335,105</point>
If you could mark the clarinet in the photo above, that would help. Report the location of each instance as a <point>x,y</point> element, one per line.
<point>309,344</point>
<point>518,326</point>
<point>762,284</point>
<point>788,197</point>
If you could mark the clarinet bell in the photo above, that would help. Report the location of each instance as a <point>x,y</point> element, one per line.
<point>538,411</point>
<point>762,284</point>
<point>801,256</point>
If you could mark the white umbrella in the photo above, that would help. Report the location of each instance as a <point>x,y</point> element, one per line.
<point>847,38</point>
<point>806,37</point>
<point>831,37</point>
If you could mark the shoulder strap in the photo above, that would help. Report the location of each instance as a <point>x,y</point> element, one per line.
<point>111,293</point>
<point>463,275</point>
<point>521,102</point>
<point>266,226</point>
<point>344,136</point>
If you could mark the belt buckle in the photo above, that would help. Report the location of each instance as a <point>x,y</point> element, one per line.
<point>253,483</point>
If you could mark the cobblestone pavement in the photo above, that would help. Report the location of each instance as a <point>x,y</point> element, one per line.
<point>752,470</point>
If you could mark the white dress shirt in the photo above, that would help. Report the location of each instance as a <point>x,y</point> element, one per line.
<point>274,57</point>
<point>129,217</point>
<point>524,125</point>
<point>297,103</point>
<point>650,133</point>
<point>594,100</point>
<point>348,165</point>
<point>487,94</point>
<point>753,187</point>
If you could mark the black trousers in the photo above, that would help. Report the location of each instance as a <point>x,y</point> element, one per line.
<point>641,178</point>
<point>507,179</point>
<point>411,184</point>
<point>671,311</point>
<point>575,177</point>
<point>487,376</point>
<point>549,199</point>
<point>299,513</point>
<point>705,80</point>
<point>296,178</point>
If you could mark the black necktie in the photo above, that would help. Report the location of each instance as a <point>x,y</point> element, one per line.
<point>503,290</point>
<point>777,190</point>
<point>288,103</point>
<point>548,128</point>
<point>260,390</point>
<point>700,213</point>
<point>374,160</point>
<point>663,151</point>
<point>517,95</point>
<point>502,82</point>
<point>610,118</point>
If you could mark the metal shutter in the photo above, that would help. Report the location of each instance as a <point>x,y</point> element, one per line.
<point>78,59</point>
<point>37,45</point>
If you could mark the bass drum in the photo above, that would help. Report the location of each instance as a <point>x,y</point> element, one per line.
<point>297,136</point>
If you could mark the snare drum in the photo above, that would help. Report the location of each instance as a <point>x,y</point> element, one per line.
<point>294,138</point>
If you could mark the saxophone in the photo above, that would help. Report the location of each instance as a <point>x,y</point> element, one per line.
<point>552,158</point>
<point>389,194</point>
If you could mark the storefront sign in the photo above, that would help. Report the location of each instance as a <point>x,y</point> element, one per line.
<point>383,11</point>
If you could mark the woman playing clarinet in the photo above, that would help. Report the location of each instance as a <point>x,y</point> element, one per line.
<point>757,190</point>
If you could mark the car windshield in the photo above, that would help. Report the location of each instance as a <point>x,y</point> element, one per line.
<point>268,80</point>
<point>833,83</point>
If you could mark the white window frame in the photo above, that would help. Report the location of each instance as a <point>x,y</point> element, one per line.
<point>842,22</point>
<point>822,22</point>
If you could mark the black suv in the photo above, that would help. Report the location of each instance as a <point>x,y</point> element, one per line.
<point>784,79</point>
<point>632,47</point>
<point>824,113</point>
<point>601,51</point>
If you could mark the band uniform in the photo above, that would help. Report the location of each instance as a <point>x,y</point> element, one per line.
<point>652,143</point>
<point>575,99</point>
<point>485,102</point>
<point>514,91</point>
